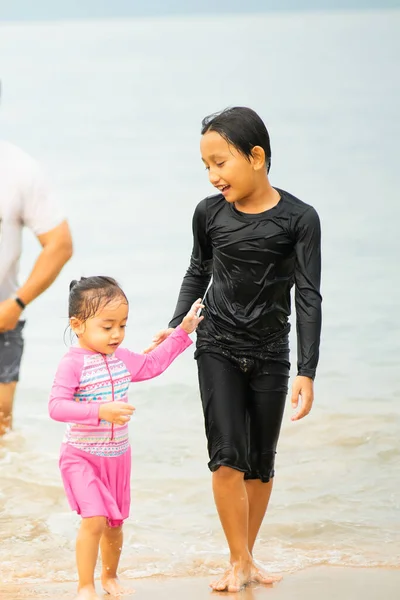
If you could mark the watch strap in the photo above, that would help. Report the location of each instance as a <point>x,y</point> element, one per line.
<point>20,302</point>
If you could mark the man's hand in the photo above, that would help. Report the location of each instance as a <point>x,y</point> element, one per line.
<point>303,393</point>
<point>10,313</point>
<point>158,338</point>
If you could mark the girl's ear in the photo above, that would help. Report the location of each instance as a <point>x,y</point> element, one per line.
<point>258,158</point>
<point>77,326</point>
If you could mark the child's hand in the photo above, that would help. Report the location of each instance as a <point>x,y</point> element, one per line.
<point>190,322</point>
<point>158,338</point>
<point>118,413</point>
<point>303,391</point>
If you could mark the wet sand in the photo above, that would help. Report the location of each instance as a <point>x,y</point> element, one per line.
<point>329,583</point>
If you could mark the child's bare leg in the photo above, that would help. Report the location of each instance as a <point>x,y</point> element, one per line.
<point>258,494</point>
<point>111,546</point>
<point>87,550</point>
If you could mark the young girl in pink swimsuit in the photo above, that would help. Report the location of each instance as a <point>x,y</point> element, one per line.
<point>90,394</point>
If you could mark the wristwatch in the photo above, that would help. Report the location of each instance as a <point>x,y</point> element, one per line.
<point>18,300</point>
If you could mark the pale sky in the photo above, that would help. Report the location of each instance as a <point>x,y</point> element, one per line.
<point>60,9</point>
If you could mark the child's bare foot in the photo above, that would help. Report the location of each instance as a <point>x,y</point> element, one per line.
<point>234,579</point>
<point>87,592</point>
<point>113,587</point>
<point>258,575</point>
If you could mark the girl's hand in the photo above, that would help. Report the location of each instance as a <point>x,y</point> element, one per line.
<point>158,338</point>
<point>303,387</point>
<point>191,321</point>
<point>118,413</point>
<point>187,323</point>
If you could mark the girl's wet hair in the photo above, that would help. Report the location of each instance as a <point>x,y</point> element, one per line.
<point>242,128</point>
<point>89,294</point>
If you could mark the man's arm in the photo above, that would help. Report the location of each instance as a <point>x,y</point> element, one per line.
<point>56,251</point>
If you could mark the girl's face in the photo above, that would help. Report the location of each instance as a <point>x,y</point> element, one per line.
<point>105,331</point>
<point>234,175</point>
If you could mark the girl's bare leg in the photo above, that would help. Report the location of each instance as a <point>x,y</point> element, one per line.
<point>258,494</point>
<point>111,546</point>
<point>231,500</point>
<point>87,550</point>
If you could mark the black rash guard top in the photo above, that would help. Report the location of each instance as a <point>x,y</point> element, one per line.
<point>254,260</point>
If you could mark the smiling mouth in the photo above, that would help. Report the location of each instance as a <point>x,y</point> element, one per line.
<point>224,188</point>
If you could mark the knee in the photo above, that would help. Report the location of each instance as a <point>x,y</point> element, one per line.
<point>111,531</point>
<point>228,475</point>
<point>94,525</point>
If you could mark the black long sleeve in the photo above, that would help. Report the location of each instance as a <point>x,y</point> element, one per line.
<point>307,292</point>
<point>198,275</point>
<point>254,260</point>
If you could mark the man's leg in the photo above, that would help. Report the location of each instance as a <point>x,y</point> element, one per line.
<point>7,393</point>
<point>224,389</point>
<point>11,349</point>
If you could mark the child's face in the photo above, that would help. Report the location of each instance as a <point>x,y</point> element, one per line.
<point>229,171</point>
<point>105,331</point>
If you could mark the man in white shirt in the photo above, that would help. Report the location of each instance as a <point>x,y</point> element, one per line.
<point>24,202</point>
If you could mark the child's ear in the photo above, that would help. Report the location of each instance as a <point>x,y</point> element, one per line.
<point>77,326</point>
<point>258,158</point>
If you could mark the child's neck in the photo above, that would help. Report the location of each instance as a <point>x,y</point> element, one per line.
<point>84,346</point>
<point>263,198</point>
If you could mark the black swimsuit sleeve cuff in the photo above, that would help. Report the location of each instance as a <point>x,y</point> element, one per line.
<point>306,373</point>
<point>175,322</point>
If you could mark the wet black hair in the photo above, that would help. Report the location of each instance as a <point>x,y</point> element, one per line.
<point>88,294</point>
<point>241,127</point>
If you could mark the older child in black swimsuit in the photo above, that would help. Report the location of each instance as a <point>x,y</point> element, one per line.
<point>256,242</point>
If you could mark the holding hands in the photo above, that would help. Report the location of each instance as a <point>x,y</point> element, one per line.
<point>189,324</point>
<point>191,321</point>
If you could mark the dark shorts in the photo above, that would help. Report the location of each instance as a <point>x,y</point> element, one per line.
<point>11,350</point>
<point>243,402</point>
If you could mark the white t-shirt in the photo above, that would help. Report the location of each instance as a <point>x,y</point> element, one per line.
<point>24,202</point>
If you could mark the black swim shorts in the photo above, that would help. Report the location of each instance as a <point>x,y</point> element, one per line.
<point>11,350</point>
<point>243,402</point>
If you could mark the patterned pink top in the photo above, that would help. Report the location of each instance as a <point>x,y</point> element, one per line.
<point>85,379</point>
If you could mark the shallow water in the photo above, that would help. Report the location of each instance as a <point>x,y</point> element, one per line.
<point>113,110</point>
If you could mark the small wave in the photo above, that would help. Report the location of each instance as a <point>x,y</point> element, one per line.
<point>51,558</point>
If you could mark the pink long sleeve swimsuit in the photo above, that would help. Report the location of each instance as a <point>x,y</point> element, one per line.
<point>95,455</point>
